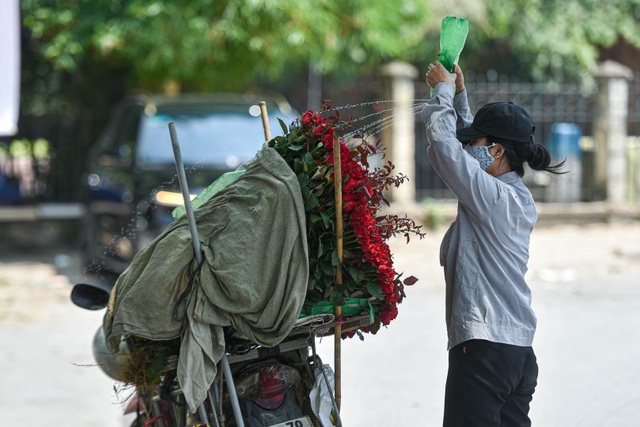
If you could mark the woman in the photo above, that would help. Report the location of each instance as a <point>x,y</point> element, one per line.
<point>492,366</point>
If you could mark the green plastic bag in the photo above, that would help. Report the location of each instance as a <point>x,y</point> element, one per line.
<point>351,307</point>
<point>208,192</point>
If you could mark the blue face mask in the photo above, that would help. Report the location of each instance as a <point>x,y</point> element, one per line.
<point>481,154</point>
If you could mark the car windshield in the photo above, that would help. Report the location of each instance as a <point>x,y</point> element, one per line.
<point>217,136</point>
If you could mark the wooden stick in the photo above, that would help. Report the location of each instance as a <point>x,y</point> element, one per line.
<point>337,335</point>
<point>265,120</point>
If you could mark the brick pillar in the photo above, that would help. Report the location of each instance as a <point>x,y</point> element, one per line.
<point>398,82</point>
<point>610,130</point>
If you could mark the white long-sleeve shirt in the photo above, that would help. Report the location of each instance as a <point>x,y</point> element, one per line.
<point>485,251</point>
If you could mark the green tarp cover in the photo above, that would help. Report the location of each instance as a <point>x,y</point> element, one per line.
<point>254,276</point>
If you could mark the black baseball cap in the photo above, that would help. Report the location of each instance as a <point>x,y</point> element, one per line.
<point>504,120</point>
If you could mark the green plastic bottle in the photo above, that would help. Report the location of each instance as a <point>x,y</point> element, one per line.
<point>453,35</point>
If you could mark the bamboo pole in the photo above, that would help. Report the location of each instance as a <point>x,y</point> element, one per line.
<point>265,120</point>
<point>337,336</point>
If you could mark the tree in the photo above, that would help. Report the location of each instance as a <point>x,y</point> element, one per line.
<point>82,56</point>
<point>546,38</point>
<point>217,45</point>
<point>223,45</point>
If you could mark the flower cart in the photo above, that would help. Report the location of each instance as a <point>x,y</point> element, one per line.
<point>291,247</point>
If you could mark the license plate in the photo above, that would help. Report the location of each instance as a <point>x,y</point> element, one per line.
<point>298,422</point>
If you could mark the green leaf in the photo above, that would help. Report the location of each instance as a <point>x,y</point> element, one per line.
<point>326,220</point>
<point>283,126</point>
<point>318,190</point>
<point>296,147</point>
<point>335,260</point>
<point>327,269</point>
<point>298,169</point>
<point>374,289</point>
<point>374,327</point>
<point>312,202</point>
<point>314,295</point>
<point>303,179</point>
<point>355,273</point>
<point>336,298</point>
<point>309,161</point>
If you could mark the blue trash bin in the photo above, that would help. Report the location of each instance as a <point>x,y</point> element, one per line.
<point>564,142</point>
<point>564,145</point>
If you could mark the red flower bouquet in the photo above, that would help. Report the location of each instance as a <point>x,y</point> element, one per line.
<point>370,282</point>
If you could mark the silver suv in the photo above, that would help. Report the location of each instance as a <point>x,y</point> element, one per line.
<point>131,183</point>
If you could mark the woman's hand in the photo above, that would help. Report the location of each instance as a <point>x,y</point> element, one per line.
<point>459,78</point>
<point>438,74</point>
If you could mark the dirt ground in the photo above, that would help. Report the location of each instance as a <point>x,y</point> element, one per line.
<point>46,356</point>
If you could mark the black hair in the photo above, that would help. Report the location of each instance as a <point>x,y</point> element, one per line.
<point>536,155</point>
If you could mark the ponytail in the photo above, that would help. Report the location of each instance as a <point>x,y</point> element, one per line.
<point>536,155</point>
<point>540,160</point>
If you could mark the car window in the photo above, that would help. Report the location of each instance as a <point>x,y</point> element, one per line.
<point>209,136</point>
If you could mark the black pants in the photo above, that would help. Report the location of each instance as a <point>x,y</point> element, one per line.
<point>489,385</point>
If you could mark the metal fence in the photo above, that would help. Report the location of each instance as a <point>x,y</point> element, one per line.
<point>548,103</point>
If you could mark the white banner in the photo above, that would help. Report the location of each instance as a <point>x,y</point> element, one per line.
<point>9,66</point>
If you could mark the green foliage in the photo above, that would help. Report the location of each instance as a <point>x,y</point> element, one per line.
<point>147,362</point>
<point>544,38</point>
<point>215,45</point>
<point>221,45</point>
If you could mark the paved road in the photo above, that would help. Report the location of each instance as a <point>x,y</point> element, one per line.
<point>49,376</point>
<point>586,285</point>
<point>587,346</point>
